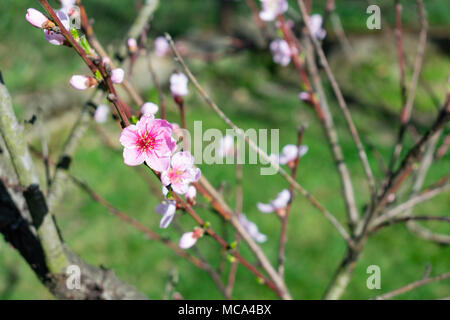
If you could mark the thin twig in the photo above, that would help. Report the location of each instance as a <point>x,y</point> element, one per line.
<point>238,211</point>
<point>408,219</point>
<point>284,223</point>
<point>409,103</point>
<point>413,286</point>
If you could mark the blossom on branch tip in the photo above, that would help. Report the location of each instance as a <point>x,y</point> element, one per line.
<point>189,239</point>
<point>38,19</point>
<point>315,24</point>
<point>181,172</point>
<point>252,229</point>
<point>179,85</point>
<point>167,209</point>
<point>81,82</point>
<point>149,108</point>
<point>290,152</point>
<point>278,204</point>
<point>148,140</point>
<point>117,75</point>
<point>272,8</point>
<point>162,47</point>
<point>281,52</point>
<point>101,113</point>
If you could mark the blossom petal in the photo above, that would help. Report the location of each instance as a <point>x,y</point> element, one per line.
<point>265,208</point>
<point>129,137</point>
<point>182,160</point>
<point>159,164</point>
<point>133,157</point>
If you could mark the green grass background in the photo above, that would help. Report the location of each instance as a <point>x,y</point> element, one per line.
<point>255,94</point>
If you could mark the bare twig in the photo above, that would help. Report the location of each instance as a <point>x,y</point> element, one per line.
<point>413,286</point>
<point>284,223</point>
<point>409,102</point>
<point>408,219</point>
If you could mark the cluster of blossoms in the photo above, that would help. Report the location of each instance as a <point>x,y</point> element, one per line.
<point>150,140</point>
<point>67,12</point>
<point>54,36</point>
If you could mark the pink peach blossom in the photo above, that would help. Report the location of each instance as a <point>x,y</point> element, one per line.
<point>150,141</point>
<point>181,173</point>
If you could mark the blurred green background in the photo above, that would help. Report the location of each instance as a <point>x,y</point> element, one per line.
<point>254,93</point>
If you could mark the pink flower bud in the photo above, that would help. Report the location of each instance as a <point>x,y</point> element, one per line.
<point>161,47</point>
<point>189,239</point>
<point>82,82</point>
<point>304,96</point>
<point>106,60</point>
<point>117,75</point>
<point>191,194</point>
<point>132,45</point>
<point>149,109</point>
<point>37,19</point>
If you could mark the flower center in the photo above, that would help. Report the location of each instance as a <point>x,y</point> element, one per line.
<point>146,142</point>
